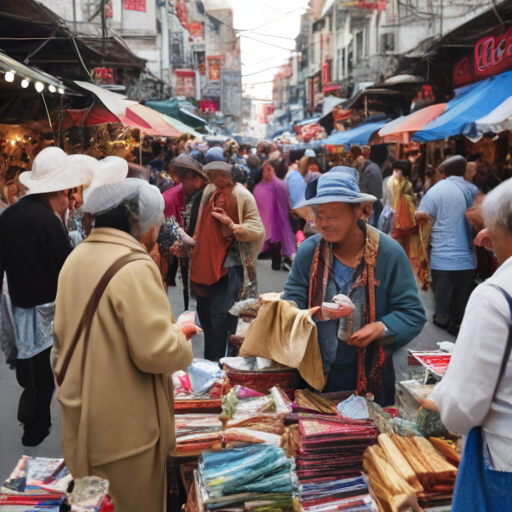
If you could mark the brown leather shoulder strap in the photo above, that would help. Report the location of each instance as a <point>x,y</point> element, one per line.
<point>92,306</point>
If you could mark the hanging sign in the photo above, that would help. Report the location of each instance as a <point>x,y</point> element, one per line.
<point>493,54</point>
<point>215,63</point>
<point>134,5</point>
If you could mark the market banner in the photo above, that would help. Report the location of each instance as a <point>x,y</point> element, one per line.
<point>134,5</point>
<point>215,63</point>
<point>196,32</point>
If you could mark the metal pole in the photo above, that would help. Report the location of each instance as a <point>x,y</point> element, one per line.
<point>74,15</point>
<point>141,141</point>
<point>103,25</point>
<point>165,43</point>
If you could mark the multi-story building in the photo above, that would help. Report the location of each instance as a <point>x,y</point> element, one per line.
<point>190,47</point>
<point>344,44</point>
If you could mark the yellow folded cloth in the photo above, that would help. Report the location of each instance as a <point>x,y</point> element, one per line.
<point>287,335</point>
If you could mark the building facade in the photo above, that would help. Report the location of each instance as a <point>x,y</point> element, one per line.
<point>344,47</point>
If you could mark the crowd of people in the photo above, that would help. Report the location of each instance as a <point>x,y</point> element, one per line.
<point>84,305</point>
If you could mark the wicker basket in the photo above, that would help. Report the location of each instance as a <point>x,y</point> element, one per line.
<point>264,380</point>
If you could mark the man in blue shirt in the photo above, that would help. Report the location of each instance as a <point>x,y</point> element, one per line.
<point>453,259</point>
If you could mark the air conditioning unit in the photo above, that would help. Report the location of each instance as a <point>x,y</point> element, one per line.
<point>387,43</point>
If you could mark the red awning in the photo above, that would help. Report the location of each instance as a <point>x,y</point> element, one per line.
<point>331,88</point>
<point>186,73</point>
<point>402,129</point>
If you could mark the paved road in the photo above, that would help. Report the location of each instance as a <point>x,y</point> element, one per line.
<point>10,430</point>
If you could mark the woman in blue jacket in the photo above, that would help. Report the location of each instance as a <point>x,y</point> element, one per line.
<point>352,258</point>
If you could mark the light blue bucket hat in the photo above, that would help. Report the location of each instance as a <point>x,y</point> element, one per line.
<point>338,187</point>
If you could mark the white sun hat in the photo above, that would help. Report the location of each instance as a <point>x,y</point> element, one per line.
<point>111,169</point>
<point>86,165</point>
<point>51,172</point>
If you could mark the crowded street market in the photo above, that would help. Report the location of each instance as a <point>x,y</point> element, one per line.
<point>221,293</point>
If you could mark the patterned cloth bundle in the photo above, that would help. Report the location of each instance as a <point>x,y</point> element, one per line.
<point>332,448</point>
<point>241,476</point>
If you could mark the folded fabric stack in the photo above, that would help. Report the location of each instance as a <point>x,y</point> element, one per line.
<point>350,494</point>
<point>36,481</point>
<point>331,448</point>
<point>241,478</point>
<point>309,402</point>
<point>196,433</point>
<point>409,472</point>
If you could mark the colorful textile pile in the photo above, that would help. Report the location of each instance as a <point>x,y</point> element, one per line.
<point>36,481</point>
<point>409,472</point>
<point>243,476</point>
<point>350,494</point>
<point>196,433</point>
<point>332,448</point>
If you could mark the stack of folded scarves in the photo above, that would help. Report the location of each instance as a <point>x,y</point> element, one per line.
<point>241,477</point>
<point>196,433</point>
<point>332,448</point>
<point>350,494</point>
<point>36,481</point>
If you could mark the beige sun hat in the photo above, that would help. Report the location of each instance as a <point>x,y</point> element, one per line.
<point>51,172</point>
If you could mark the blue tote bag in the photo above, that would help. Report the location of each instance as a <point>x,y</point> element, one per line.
<point>479,487</point>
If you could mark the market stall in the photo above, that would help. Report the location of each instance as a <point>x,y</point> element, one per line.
<point>282,446</point>
<point>278,442</point>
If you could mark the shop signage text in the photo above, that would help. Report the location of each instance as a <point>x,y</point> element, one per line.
<point>134,5</point>
<point>493,54</point>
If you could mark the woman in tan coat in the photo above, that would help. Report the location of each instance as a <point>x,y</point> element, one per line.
<point>116,396</point>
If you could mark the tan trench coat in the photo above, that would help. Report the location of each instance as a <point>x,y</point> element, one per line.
<point>117,403</point>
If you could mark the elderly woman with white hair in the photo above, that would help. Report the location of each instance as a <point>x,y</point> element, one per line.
<point>115,346</point>
<point>475,395</point>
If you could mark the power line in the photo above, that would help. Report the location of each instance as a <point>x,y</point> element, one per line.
<point>269,44</point>
<point>270,35</point>
<point>261,62</point>
<point>271,21</point>
<point>262,71</point>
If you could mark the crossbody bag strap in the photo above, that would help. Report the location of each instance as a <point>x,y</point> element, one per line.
<point>90,310</point>
<point>508,348</point>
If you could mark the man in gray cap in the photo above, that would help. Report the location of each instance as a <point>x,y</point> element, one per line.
<point>452,259</point>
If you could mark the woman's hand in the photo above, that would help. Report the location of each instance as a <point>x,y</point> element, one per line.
<point>325,314</point>
<point>223,217</point>
<point>368,334</point>
<point>238,230</point>
<point>428,403</point>
<point>419,215</point>
<point>186,324</point>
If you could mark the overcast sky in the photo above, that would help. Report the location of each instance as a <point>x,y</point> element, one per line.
<point>279,23</point>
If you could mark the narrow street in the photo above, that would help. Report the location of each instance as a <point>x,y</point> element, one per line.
<point>269,281</point>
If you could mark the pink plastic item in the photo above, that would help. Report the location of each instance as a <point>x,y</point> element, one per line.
<point>243,392</point>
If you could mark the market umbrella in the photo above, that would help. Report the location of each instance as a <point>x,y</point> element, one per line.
<point>401,129</point>
<point>182,127</point>
<point>470,104</point>
<point>499,120</point>
<point>172,108</point>
<point>358,136</point>
<point>129,113</point>
<point>138,116</point>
